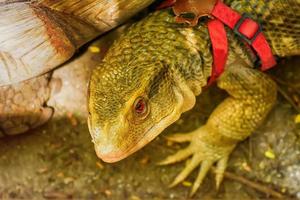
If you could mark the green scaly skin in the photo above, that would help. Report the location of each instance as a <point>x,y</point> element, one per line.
<point>167,65</point>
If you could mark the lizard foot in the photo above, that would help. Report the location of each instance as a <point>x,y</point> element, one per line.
<point>202,150</point>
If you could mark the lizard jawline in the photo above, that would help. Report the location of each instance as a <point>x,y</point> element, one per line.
<point>149,135</point>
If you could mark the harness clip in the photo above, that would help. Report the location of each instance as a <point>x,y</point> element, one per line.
<point>247,29</point>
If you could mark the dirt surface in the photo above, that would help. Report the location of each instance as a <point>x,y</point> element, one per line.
<point>58,160</point>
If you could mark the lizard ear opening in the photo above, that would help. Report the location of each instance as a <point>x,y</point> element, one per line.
<point>141,108</point>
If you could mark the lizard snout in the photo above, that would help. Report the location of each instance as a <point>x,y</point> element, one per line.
<point>105,141</point>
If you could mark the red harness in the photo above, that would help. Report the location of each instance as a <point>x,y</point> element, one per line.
<point>247,29</point>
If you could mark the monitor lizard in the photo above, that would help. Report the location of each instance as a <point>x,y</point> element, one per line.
<point>152,74</point>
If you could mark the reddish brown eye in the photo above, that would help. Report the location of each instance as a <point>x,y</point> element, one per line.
<point>141,107</point>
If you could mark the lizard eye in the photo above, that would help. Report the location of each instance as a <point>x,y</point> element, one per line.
<point>141,107</point>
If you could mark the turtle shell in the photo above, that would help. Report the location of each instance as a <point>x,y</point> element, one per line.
<point>36,37</point>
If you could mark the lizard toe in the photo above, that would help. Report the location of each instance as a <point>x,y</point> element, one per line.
<point>205,167</point>
<point>177,157</point>
<point>190,166</point>
<point>221,167</point>
<point>180,137</point>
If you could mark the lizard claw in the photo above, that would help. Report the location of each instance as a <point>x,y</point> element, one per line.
<point>204,152</point>
<point>221,167</point>
<point>206,165</point>
<point>191,165</point>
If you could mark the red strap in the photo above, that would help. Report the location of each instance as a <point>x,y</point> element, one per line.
<point>225,14</point>
<point>249,30</point>
<point>219,43</point>
<point>263,50</point>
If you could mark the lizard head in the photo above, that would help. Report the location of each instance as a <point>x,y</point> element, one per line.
<point>130,105</point>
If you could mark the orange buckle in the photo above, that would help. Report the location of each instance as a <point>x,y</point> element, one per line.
<point>189,11</point>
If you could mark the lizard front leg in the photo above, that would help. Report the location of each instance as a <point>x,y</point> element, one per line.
<point>251,96</point>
